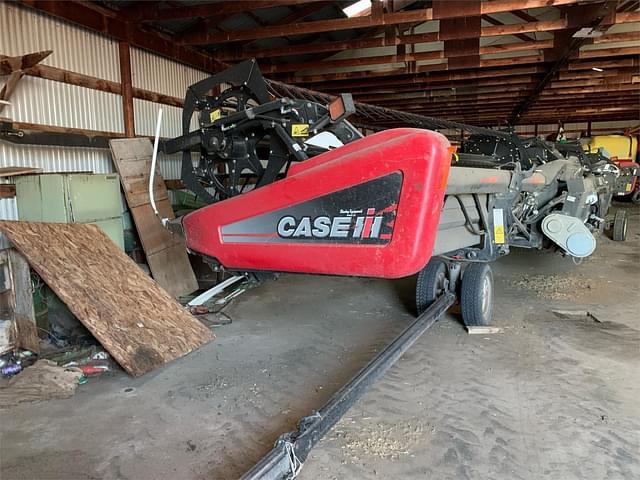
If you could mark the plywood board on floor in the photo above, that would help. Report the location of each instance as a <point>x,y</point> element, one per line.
<point>171,269</point>
<point>135,320</point>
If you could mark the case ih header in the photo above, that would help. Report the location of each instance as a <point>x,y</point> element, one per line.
<point>292,186</point>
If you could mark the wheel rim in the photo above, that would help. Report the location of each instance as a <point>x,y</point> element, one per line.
<point>486,296</point>
<point>440,284</point>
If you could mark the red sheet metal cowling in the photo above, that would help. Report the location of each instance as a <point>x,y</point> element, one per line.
<point>370,208</point>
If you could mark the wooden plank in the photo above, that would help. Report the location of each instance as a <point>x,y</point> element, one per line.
<point>24,313</point>
<point>408,57</point>
<point>482,330</point>
<point>124,55</point>
<point>169,272</point>
<point>7,190</point>
<point>132,158</point>
<point>235,54</point>
<point>135,320</point>
<point>146,12</point>
<point>174,184</point>
<point>14,171</point>
<point>154,236</point>
<point>318,26</point>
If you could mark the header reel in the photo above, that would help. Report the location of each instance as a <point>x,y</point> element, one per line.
<point>246,138</point>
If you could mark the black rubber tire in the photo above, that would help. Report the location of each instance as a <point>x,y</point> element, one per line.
<point>635,197</point>
<point>476,295</point>
<point>620,226</point>
<point>431,283</point>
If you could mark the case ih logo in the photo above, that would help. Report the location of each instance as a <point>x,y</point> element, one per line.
<point>368,219</point>
<point>347,226</point>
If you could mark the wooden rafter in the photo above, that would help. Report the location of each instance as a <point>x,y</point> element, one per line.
<point>604,14</point>
<point>395,18</point>
<point>85,15</point>
<point>152,12</point>
<point>426,79</point>
<point>496,22</point>
<point>409,57</point>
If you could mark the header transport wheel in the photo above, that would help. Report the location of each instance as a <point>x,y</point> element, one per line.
<point>476,295</point>
<point>432,282</point>
<point>620,226</point>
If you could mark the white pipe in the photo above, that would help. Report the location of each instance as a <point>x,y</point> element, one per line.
<point>153,164</point>
<point>203,297</point>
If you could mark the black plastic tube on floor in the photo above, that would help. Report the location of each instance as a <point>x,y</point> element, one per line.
<point>291,450</point>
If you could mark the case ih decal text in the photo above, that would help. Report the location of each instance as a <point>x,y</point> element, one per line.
<point>337,227</point>
<point>363,213</point>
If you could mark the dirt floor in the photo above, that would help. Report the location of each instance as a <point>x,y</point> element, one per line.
<point>548,397</point>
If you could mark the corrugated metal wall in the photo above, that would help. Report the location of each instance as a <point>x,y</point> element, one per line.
<point>53,103</point>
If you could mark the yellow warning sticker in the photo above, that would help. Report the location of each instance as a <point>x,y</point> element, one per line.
<point>215,115</point>
<point>627,188</point>
<point>498,225</point>
<point>299,129</point>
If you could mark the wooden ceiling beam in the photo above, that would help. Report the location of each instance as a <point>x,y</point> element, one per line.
<point>448,80</point>
<point>435,91</point>
<point>632,62</point>
<point>582,74</point>
<point>211,22</point>
<point>570,97</point>
<point>119,29</point>
<point>391,59</point>
<point>520,75</point>
<point>601,89</point>
<point>578,17</point>
<point>150,11</point>
<point>524,16</point>
<point>404,77</point>
<point>503,113</point>
<point>318,26</point>
<point>505,103</point>
<point>500,6</point>
<point>395,18</point>
<point>588,101</point>
<point>435,94</point>
<point>493,21</point>
<point>617,37</point>
<point>439,67</point>
<point>549,117</point>
<point>230,54</point>
<point>629,6</point>
<point>202,25</point>
<point>235,54</point>
<point>626,17</point>
<point>609,52</point>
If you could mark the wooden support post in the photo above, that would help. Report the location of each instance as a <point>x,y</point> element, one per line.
<point>589,128</point>
<point>127,90</point>
<point>535,130</point>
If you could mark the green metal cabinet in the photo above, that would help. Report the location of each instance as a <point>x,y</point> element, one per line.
<point>72,198</point>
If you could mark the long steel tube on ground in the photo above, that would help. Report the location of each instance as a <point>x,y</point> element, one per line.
<point>292,448</point>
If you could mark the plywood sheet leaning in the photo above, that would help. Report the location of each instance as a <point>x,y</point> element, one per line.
<point>166,252</point>
<point>134,319</point>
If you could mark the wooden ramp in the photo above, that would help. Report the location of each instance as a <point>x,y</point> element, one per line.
<point>166,252</point>
<point>135,320</point>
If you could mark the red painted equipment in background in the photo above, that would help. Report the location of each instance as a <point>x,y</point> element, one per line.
<point>370,208</point>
